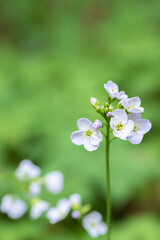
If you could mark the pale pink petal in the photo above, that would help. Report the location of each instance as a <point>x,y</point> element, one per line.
<point>84,124</point>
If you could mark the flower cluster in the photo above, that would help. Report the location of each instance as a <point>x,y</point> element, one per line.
<point>29,176</point>
<point>124,119</point>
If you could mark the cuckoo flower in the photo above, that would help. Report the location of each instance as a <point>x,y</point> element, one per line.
<point>113,90</point>
<point>58,213</point>
<point>38,207</point>
<point>94,225</point>
<point>122,127</point>
<point>87,135</point>
<point>141,126</point>
<point>54,182</point>
<point>13,206</point>
<point>27,170</point>
<point>132,105</point>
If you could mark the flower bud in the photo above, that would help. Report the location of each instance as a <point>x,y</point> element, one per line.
<point>120,105</point>
<point>76,214</point>
<point>109,114</point>
<point>98,109</point>
<point>94,101</point>
<point>106,110</point>
<point>102,110</point>
<point>85,209</point>
<point>111,108</point>
<point>97,124</point>
<point>106,104</point>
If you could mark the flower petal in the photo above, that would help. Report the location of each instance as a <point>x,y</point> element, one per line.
<point>90,147</point>
<point>78,137</point>
<point>84,124</point>
<point>134,116</point>
<point>136,138</point>
<point>120,115</point>
<point>145,126</point>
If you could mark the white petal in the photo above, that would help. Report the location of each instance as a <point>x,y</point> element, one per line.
<point>78,137</point>
<point>88,146</point>
<point>136,138</point>
<point>136,101</point>
<point>134,116</point>
<point>120,115</point>
<point>145,126</point>
<point>136,110</point>
<point>102,228</point>
<point>129,127</point>
<point>121,95</point>
<point>84,124</point>
<point>96,137</point>
<point>111,88</point>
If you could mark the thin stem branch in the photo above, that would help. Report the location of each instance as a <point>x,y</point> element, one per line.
<point>112,139</point>
<point>108,183</point>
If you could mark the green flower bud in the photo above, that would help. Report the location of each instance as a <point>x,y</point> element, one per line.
<point>106,104</point>
<point>98,109</point>
<point>85,209</point>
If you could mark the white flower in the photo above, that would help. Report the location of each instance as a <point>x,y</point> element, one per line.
<point>59,212</point>
<point>87,135</point>
<point>113,90</point>
<point>39,206</point>
<point>132,105</point>
<point>97,124</point>
<point>122,127</point>
<point>75,199</point>
<point>94,225</point>
<point>54,182</point>
<point>35,188</point>
<point>27,170</point>
<point>141,126</point>
<point>13,206</point>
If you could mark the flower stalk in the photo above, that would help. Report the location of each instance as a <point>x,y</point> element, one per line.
<point>108,198</point>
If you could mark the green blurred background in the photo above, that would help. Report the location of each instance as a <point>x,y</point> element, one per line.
<point>54,56</point>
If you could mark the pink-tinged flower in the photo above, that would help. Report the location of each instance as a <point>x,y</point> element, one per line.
<point>76,214</point>
<point>94,225</point>
<point>141,126</point>
<point>113,90</point>
<point>87,135</point>
<point>132,105</point>
<point>97,124</point>
<point>109,114</point>
<point>94,101</point>
<point>122,127</point>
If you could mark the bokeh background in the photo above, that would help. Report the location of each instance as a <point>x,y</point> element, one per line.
<point>54,56</point>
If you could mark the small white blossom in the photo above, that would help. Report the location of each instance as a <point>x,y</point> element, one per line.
<point>27,170</point>
<point>132,105</point>
<point>94,225</point>
<point>113,90</point>
<point>54,182</point>
<point>13,206</point>
<point>39,206</point>
<point>97,124</point>
<point>59,212</point>
<point>141,126</point>
<point>122,127</point>
<point>75,199</point>
<point>87,135</point>
<point>35,188</point>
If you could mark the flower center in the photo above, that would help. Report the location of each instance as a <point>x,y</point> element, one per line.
<point>131,105</point>
<point>135,127</point>
<point>119,126</point>
<point>93,224</point>
<point>88,133</point>
<point>112,90</point>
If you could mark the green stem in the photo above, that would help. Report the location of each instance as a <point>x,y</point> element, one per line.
<point>108,183</point>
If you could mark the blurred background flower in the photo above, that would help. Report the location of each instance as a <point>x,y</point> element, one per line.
<point>54,56</point>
